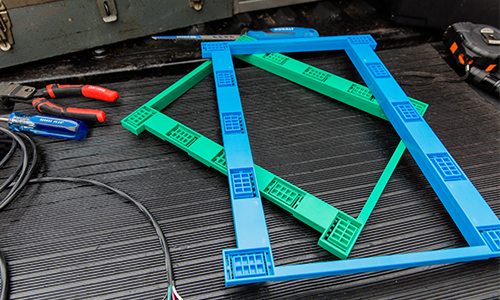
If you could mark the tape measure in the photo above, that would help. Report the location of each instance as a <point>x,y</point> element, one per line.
<point>477,48</point>
<point>474,44</point>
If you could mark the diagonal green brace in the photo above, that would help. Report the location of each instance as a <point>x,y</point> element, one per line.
<point>339,230</point>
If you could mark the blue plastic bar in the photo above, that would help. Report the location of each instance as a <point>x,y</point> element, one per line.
<point>457,193</point>
<point>248,214</point>
<point>289,45</point>
<point>371,264</point>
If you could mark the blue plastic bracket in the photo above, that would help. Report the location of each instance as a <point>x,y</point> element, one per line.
<point>253,257</point>
<point>252,260</point>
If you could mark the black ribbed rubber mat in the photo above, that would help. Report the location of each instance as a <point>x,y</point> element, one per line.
<point>75,241</point>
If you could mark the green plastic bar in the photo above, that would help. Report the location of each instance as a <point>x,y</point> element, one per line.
<point>382,182</point>
<point>339,230</point>
<point>168,96</point>
<point>328,84</point>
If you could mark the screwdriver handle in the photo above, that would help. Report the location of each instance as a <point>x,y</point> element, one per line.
<point>283,33</point>
<point>48,126</point>
<point>46,107</point>
<point>89,91</point>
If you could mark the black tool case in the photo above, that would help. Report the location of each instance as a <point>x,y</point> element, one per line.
<point>440,14</point>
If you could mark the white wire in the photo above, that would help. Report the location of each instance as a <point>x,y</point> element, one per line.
<point>176,294</point>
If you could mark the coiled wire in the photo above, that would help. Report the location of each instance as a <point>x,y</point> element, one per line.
<point>20,177</point>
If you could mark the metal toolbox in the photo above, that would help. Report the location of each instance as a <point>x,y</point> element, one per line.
<point>35,29</point>
<point>31,30</point>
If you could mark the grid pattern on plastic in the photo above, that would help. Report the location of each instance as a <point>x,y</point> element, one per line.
<point>215,46</point>
<point>407,111</point>
<point>378,70</point>
<point>182,135</point>
<point>493,238</point>
<point>277,58</point>
<point>220,159</point>
<point>316,74</point>
<point>361,39</point>
<point>446,166</point>
<point>361,91</point>
<point>419,106</point>
<point>225,78</point>
<point>233,123</point>
<point>247,265</point>
<point>341,232</point>
<point>283,191</point>
<point>243,265</point>
<point>140,116</point>
<point>243,182</point>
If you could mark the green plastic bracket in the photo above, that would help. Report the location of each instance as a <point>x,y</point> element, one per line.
<point>325,83</point>
<point>339,230</point>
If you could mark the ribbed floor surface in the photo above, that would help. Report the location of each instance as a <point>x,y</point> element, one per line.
<point>74,241</point>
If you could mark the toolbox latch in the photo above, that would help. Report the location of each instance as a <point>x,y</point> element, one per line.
<point>196,4</point>
<point>6,38</point>
<point>107,9</point>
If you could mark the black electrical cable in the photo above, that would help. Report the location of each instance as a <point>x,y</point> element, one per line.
<point>23,173</point>
<point>3,278</point>
<point>9,154</point>
<point>159,232</point>
<point>6,158</point>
